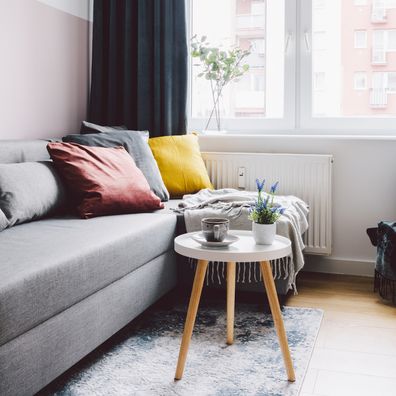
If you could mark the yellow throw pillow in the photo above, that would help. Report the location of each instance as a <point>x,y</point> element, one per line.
<point>181,165</point>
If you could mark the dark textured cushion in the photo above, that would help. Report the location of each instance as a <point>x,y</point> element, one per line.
<point>136,146</point>
<point>3,221</point>
<point>29,190</point>
<point>89,127</point>
<point>106,178</point>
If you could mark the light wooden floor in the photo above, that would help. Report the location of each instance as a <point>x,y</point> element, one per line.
<point>355,353</point>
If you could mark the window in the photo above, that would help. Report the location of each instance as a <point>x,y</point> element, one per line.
<point>360,38</point>
<point>254,24</point>
<point>385,81</point>
<point>390,3</point>
<point>384,40</point>
<point>319,81</point>
<point>319,40</point>
<point>391,40</point>
<point>314,64</point>
<point>360,81</point>
<point>392,82</point>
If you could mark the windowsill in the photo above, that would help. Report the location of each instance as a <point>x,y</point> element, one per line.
<point>302,134</point>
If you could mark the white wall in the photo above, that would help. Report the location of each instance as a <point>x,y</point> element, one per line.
<point>364,188</point>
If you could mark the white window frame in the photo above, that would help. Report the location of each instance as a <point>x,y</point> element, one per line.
<point>298,90</point>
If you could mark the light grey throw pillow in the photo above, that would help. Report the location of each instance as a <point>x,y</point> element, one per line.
<point>29,190</point>
<point>90,127</point>
<point>136,145</point>
<point>3,221</point>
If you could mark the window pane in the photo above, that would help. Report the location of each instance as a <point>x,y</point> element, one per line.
<point>355,49</point>
<point>360,80</point>
<point>360,39</point>
<point>392,82</point>
<point>254,24</point>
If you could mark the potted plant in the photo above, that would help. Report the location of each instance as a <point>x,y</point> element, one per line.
<point>264,215</point>
<point>219,67</point>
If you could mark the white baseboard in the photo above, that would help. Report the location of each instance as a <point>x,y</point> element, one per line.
<point>334,265</point>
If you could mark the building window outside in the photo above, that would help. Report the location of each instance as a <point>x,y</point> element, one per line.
<point>360,39</point>
<point>391,40</point>
<point>390,4</point>
<point>360,2</point>
<point>319,81</point>
<point>360,81</point>
<point>392,82</point>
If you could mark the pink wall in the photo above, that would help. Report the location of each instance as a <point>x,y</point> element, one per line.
<point>43,70</point>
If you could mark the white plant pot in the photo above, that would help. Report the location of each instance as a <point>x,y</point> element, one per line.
<point>264,234</point>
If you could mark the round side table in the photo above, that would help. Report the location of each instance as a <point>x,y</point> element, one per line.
<point>244,250</point>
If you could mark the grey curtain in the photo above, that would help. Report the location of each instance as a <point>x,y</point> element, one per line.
<point>139,65</point>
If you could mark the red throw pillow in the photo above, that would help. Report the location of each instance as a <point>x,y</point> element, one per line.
<point>106,179</point>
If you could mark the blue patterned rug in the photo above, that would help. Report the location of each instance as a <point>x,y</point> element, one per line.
<point>141,360</point>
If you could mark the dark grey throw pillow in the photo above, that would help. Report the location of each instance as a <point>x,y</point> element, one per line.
<point>136,145</point>
<point>89,127</point>
<point>3,221</point>
<point>29,190</point>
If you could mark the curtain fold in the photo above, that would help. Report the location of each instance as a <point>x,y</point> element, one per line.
<point>139,65</point>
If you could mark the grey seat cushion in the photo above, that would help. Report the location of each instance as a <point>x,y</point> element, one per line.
<point>49,265</point>
<point>29,191</point>
<point>137,147</point>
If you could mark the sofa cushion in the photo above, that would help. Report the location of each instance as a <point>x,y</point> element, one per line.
<point>89,127</point>
<point>49,265</point>
<point>12,151</point>
<point>137,147</point>
<point>181,165</point>
<point>29,190</point>
<point>106,179</point>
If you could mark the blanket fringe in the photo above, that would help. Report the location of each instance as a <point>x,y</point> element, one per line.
<point>248,272</point>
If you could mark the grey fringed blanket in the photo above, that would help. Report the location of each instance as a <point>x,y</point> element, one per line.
<point>234,205</point>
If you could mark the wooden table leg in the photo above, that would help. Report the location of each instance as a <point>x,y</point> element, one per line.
<point>277,316</point>
<point>231,266</point>
<point>191,314</point>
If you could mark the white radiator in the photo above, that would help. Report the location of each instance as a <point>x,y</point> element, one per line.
<point>306,176</point>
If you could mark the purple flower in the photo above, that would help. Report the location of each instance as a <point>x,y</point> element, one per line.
<point>282,210</point>
<point>274,187</point>
<point>260,185</point>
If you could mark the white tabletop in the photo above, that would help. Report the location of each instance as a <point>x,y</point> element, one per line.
<point>243,250</point>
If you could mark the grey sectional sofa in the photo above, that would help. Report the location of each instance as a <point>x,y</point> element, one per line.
<point>67,285</point>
